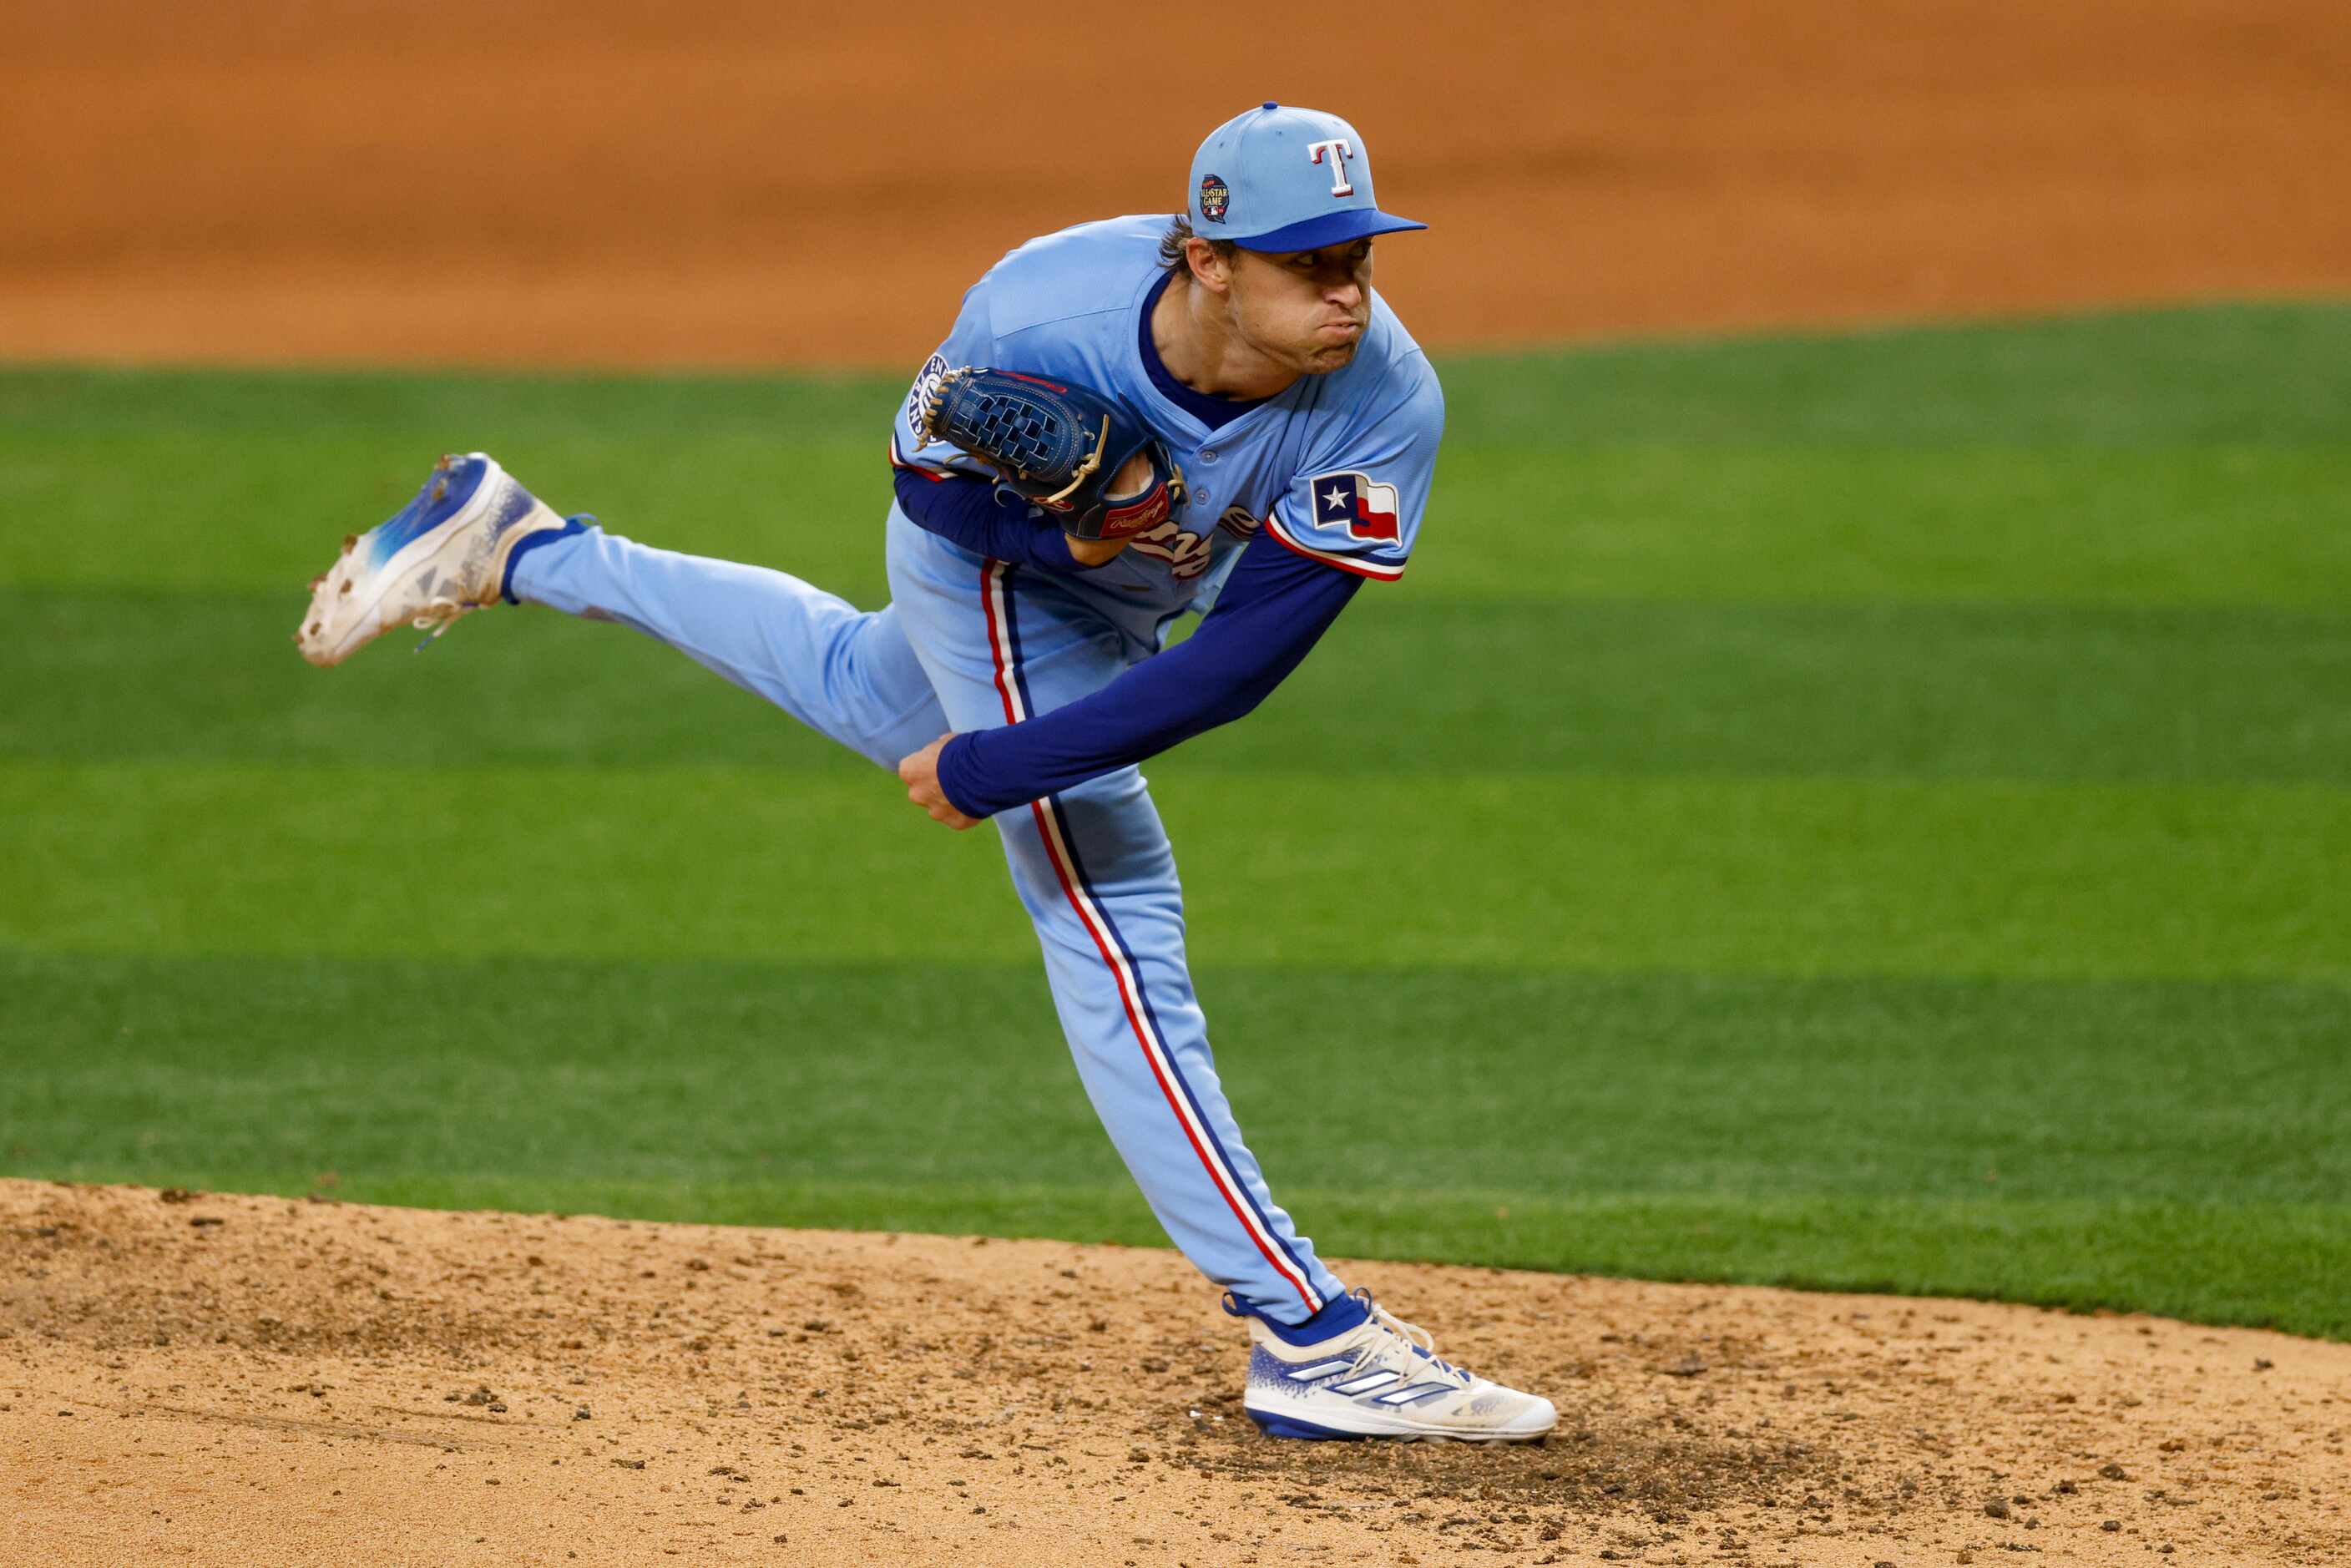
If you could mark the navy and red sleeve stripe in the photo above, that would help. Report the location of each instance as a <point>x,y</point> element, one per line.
<point>1274,608</point>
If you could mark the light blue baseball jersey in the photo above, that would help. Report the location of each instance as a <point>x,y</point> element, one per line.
<point>1337,466</point>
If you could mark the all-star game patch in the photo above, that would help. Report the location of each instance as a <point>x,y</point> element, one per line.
<point>1215,194</point>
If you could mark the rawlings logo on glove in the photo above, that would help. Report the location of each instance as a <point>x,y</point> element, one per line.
<point>1057,445</point>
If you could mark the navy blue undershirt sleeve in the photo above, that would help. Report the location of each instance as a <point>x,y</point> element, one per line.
<point>966,511</point>
<point>1273,608</point>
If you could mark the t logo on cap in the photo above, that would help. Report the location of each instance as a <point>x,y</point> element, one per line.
<point>1340,152</point>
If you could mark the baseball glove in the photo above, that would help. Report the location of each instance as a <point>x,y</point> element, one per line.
<point>1057,445</point>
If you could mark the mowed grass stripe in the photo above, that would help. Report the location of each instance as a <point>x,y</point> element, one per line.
<point>2051,525</point>
<point>1788,876</point>
<point>2162,456</point>
<point>169,507</point>
<point>2055,1141</point>
<point>2276,372</point>
<point>2276,1266</point>
<point>1658,1083</point>
<point>2229,525</point>
<point>1890,690</point>
<point>2172,376</point>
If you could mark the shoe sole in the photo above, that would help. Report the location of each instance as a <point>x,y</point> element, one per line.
<point>1274,1425</point>
<point>335,628</point>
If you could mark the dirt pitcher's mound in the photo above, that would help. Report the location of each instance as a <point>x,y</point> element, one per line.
<point>240,1380</point>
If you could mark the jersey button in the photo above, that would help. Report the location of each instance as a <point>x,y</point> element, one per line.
<point>1209,454</point>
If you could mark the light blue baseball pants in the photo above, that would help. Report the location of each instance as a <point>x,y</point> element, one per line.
<point>965,644</point>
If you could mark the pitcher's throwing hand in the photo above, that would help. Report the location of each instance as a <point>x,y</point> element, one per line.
<point>921,772</point>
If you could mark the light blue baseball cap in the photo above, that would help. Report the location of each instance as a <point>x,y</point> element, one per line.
<point>1278,178</point>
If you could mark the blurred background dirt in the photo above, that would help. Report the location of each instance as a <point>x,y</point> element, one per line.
<point>602,182</point>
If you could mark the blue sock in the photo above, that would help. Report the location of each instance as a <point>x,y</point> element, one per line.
<point>1339,1314</point>
<point>523,546</point>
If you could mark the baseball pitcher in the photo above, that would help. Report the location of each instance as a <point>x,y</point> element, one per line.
<point>1129,420</point>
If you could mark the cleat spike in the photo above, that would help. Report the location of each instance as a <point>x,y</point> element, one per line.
<point>350,543</point>
<point>345,587</point>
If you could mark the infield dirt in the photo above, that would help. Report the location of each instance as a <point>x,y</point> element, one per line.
<point>203,1378</point>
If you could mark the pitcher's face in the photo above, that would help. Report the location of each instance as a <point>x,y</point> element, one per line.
<point>1308,310</point>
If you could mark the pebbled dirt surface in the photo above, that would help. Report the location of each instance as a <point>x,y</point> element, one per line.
<point>602,182</point>
<point>212,1379</point>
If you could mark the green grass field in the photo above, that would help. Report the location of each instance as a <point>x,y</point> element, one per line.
<point>1854,811</point>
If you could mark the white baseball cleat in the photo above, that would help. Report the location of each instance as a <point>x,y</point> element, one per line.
<point>1380,1379</point>
<point>441,555</point>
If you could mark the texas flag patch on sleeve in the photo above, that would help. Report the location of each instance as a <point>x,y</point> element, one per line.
<point>1366,507</point>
